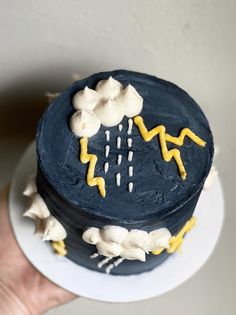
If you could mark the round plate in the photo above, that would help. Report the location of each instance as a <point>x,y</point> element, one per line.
<point>196,249</point>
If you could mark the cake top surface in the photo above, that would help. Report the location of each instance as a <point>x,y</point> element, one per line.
<point>140,184</point>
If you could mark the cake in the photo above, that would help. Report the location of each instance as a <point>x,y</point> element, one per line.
<point>122,159</point>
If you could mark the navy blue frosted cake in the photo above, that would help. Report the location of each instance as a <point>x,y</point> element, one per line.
<point>122,160</point>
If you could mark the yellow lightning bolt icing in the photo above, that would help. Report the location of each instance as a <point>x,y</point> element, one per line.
<point>177,240</point>
<point>85,158</point>
<point>59,247</point>
<point>160,130</point>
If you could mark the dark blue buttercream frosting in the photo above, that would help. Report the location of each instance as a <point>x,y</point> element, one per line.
<point>160,197</point>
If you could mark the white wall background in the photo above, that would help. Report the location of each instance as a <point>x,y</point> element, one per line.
<point>191,43</point>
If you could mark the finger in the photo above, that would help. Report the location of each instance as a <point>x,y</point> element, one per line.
<point>64,295</point>
<point>4,218</point>
<point>4,196</point>
<point>61,295</point>
<point>8,243</point>
<point>55,295</point>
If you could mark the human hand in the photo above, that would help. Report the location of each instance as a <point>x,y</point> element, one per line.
<point>23,290</point>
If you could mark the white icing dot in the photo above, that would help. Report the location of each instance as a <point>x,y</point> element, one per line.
<point>131,171</point>
<point>119,159</point>
<point>129,141</point>
<point>118,142</point>
<point>103,262</point>
<point>107,150</point>
<point>118,179</point>
<point>131,186</point>
<point>106,167</point>
<point>130,156</point>
<point>120,127</point>
<point>94,255</point>
<point>107,133</point>
<point>130,126</point>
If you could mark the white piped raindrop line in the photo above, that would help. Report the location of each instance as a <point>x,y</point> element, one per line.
<point>129,141</point>
<point>131,171</point>
<point>107,150</point>
<point>107,133</point>
<point>95,255</point>
<point>106,167</point>
<point>130,126</point>
<point>130,186</point>
<point>120,127</point>
<point>103,262</point>
<point>130,156</point>
<point>119,159</point>
<point>118,179</point>
<point>118,142</point>
<point>116,263</point>
<point>109,268</point>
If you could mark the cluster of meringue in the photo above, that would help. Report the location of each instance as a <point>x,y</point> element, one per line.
<point>114,241</point>
<point>106,105</point>
<point>47,226</point>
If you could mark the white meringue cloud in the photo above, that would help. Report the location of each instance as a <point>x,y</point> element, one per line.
<point>37,208</point>
<point>109,88</point>
<point>85,99</point>
<point>114,241</point>
<point>84,123</point>
<point>30,187</point>
<point>108,249</point>
<point>92,235</point>
<point>53,230</point>
<point>131,101</point>
<point>47,226</point>
<point>109,112</point>
<point>109,103</point>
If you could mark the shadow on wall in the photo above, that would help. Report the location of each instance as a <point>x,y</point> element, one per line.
<point>21,106</point>
<point>20,109</point>
<point>23,102</point>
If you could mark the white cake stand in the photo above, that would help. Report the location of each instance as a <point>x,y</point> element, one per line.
<point>197,247</point>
